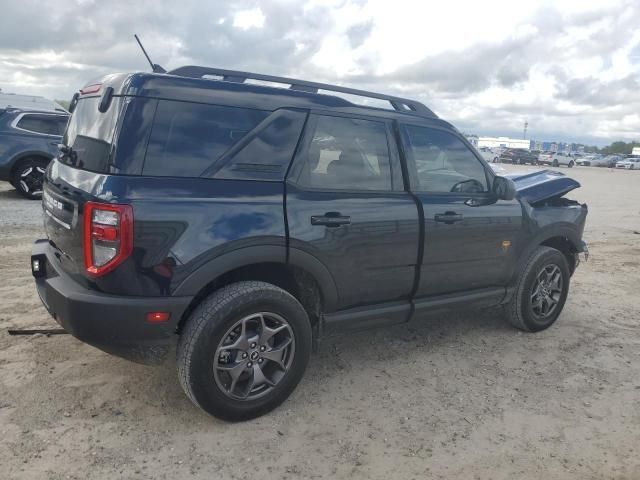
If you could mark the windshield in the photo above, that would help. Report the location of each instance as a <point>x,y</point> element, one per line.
<point>90,134</point>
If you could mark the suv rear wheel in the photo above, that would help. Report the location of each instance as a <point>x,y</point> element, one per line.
<point>541,291</point>
<point>28,176</point>
<point>243,350</point>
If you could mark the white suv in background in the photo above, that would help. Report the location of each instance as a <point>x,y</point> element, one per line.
<point>556,159</point>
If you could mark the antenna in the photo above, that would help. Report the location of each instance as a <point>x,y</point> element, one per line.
<point>154,66</point>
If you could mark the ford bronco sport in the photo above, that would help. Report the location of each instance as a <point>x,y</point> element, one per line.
<point>244,221</point>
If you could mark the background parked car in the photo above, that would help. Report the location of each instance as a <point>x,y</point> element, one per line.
<point>632,163</point>
<point>28,142</point>
<point>489,154</point>
<point>608,161</point>
<point>587,160</point>
<point>518,155</point>
<point>556,159</point>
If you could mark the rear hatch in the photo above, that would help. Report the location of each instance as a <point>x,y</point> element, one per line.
<point>79,173</point>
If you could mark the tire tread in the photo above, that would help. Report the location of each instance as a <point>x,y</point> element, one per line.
<point>514,307</point>
<point>214,308</point>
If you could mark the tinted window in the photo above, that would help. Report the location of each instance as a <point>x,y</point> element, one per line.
<point>60,124</point>
<point>187,138</point>
<point>264,154</point>
<point>346,153</point>
<point>45,124</point>
<point>443,163</point>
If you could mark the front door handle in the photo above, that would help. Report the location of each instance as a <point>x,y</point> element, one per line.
<point>330,219</point>
<point>448,217</point>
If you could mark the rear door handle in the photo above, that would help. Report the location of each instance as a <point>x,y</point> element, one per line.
<point>330,219</point>
<point>448,217</point>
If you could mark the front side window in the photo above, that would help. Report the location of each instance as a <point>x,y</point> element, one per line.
<point>44,124</point>
<point>187,138</point>
<point>346,154</point>
<point>442,162</point>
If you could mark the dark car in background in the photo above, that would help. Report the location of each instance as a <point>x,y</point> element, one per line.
<point>518,156</point>
<point>28,141</point>
<point>244,222</point>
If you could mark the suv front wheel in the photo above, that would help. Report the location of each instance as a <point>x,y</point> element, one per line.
<point>243,350</point>
<point>541,291</point>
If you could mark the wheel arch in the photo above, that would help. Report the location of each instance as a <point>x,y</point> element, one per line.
<point>303,276</point>
<point>22,156</point>
<point>564,239</point>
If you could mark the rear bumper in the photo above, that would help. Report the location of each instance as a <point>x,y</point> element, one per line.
<point>111,323</point>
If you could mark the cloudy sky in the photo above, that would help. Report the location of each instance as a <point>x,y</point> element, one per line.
<point>571,68</point>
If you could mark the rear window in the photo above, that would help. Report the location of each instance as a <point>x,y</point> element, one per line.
<point>43,124</point>
<point>188,138</point>
<point>90,134</point>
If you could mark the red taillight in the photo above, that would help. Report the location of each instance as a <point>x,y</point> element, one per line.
<point>108,236</point>
<point>95,88</point>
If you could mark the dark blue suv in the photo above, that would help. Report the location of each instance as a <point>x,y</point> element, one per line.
<point>28,141</point>
<point>242,221</point>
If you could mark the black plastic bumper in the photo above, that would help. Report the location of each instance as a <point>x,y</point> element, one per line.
<point>111,323</point>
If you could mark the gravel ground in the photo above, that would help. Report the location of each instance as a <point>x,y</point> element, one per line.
<point>454,396</point>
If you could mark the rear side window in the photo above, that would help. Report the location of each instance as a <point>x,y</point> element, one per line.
<point>346,154</point>
<point>187,138</point>
<point>44,124</point>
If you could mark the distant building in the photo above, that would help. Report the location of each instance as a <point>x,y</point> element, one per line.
<point>635,151</point>
<point>493,142</point>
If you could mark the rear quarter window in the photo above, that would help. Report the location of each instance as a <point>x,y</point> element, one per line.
<point>188,138</point>
<point>43,124</point>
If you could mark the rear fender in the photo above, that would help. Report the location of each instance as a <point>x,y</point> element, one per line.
<point>247,256</point>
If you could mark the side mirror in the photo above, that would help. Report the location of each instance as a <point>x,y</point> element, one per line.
<point>504,188</point>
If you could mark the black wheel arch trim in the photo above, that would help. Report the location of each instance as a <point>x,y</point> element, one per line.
<point>25,155</point>
<point>554,231</point>
<point>246,256</point>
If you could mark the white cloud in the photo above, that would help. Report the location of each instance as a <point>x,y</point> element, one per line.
<point>245,19</point>
<point>570,67</point>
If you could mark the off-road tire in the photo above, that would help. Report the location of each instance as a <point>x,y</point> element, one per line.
<point>555,164</point>
<point>206,328</point>
<point>519,311</point>
<point>570,164</point>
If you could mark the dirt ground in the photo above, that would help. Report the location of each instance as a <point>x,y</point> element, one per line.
<point>456,396</point>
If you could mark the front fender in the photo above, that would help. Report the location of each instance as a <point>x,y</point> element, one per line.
<point>568,231</point>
